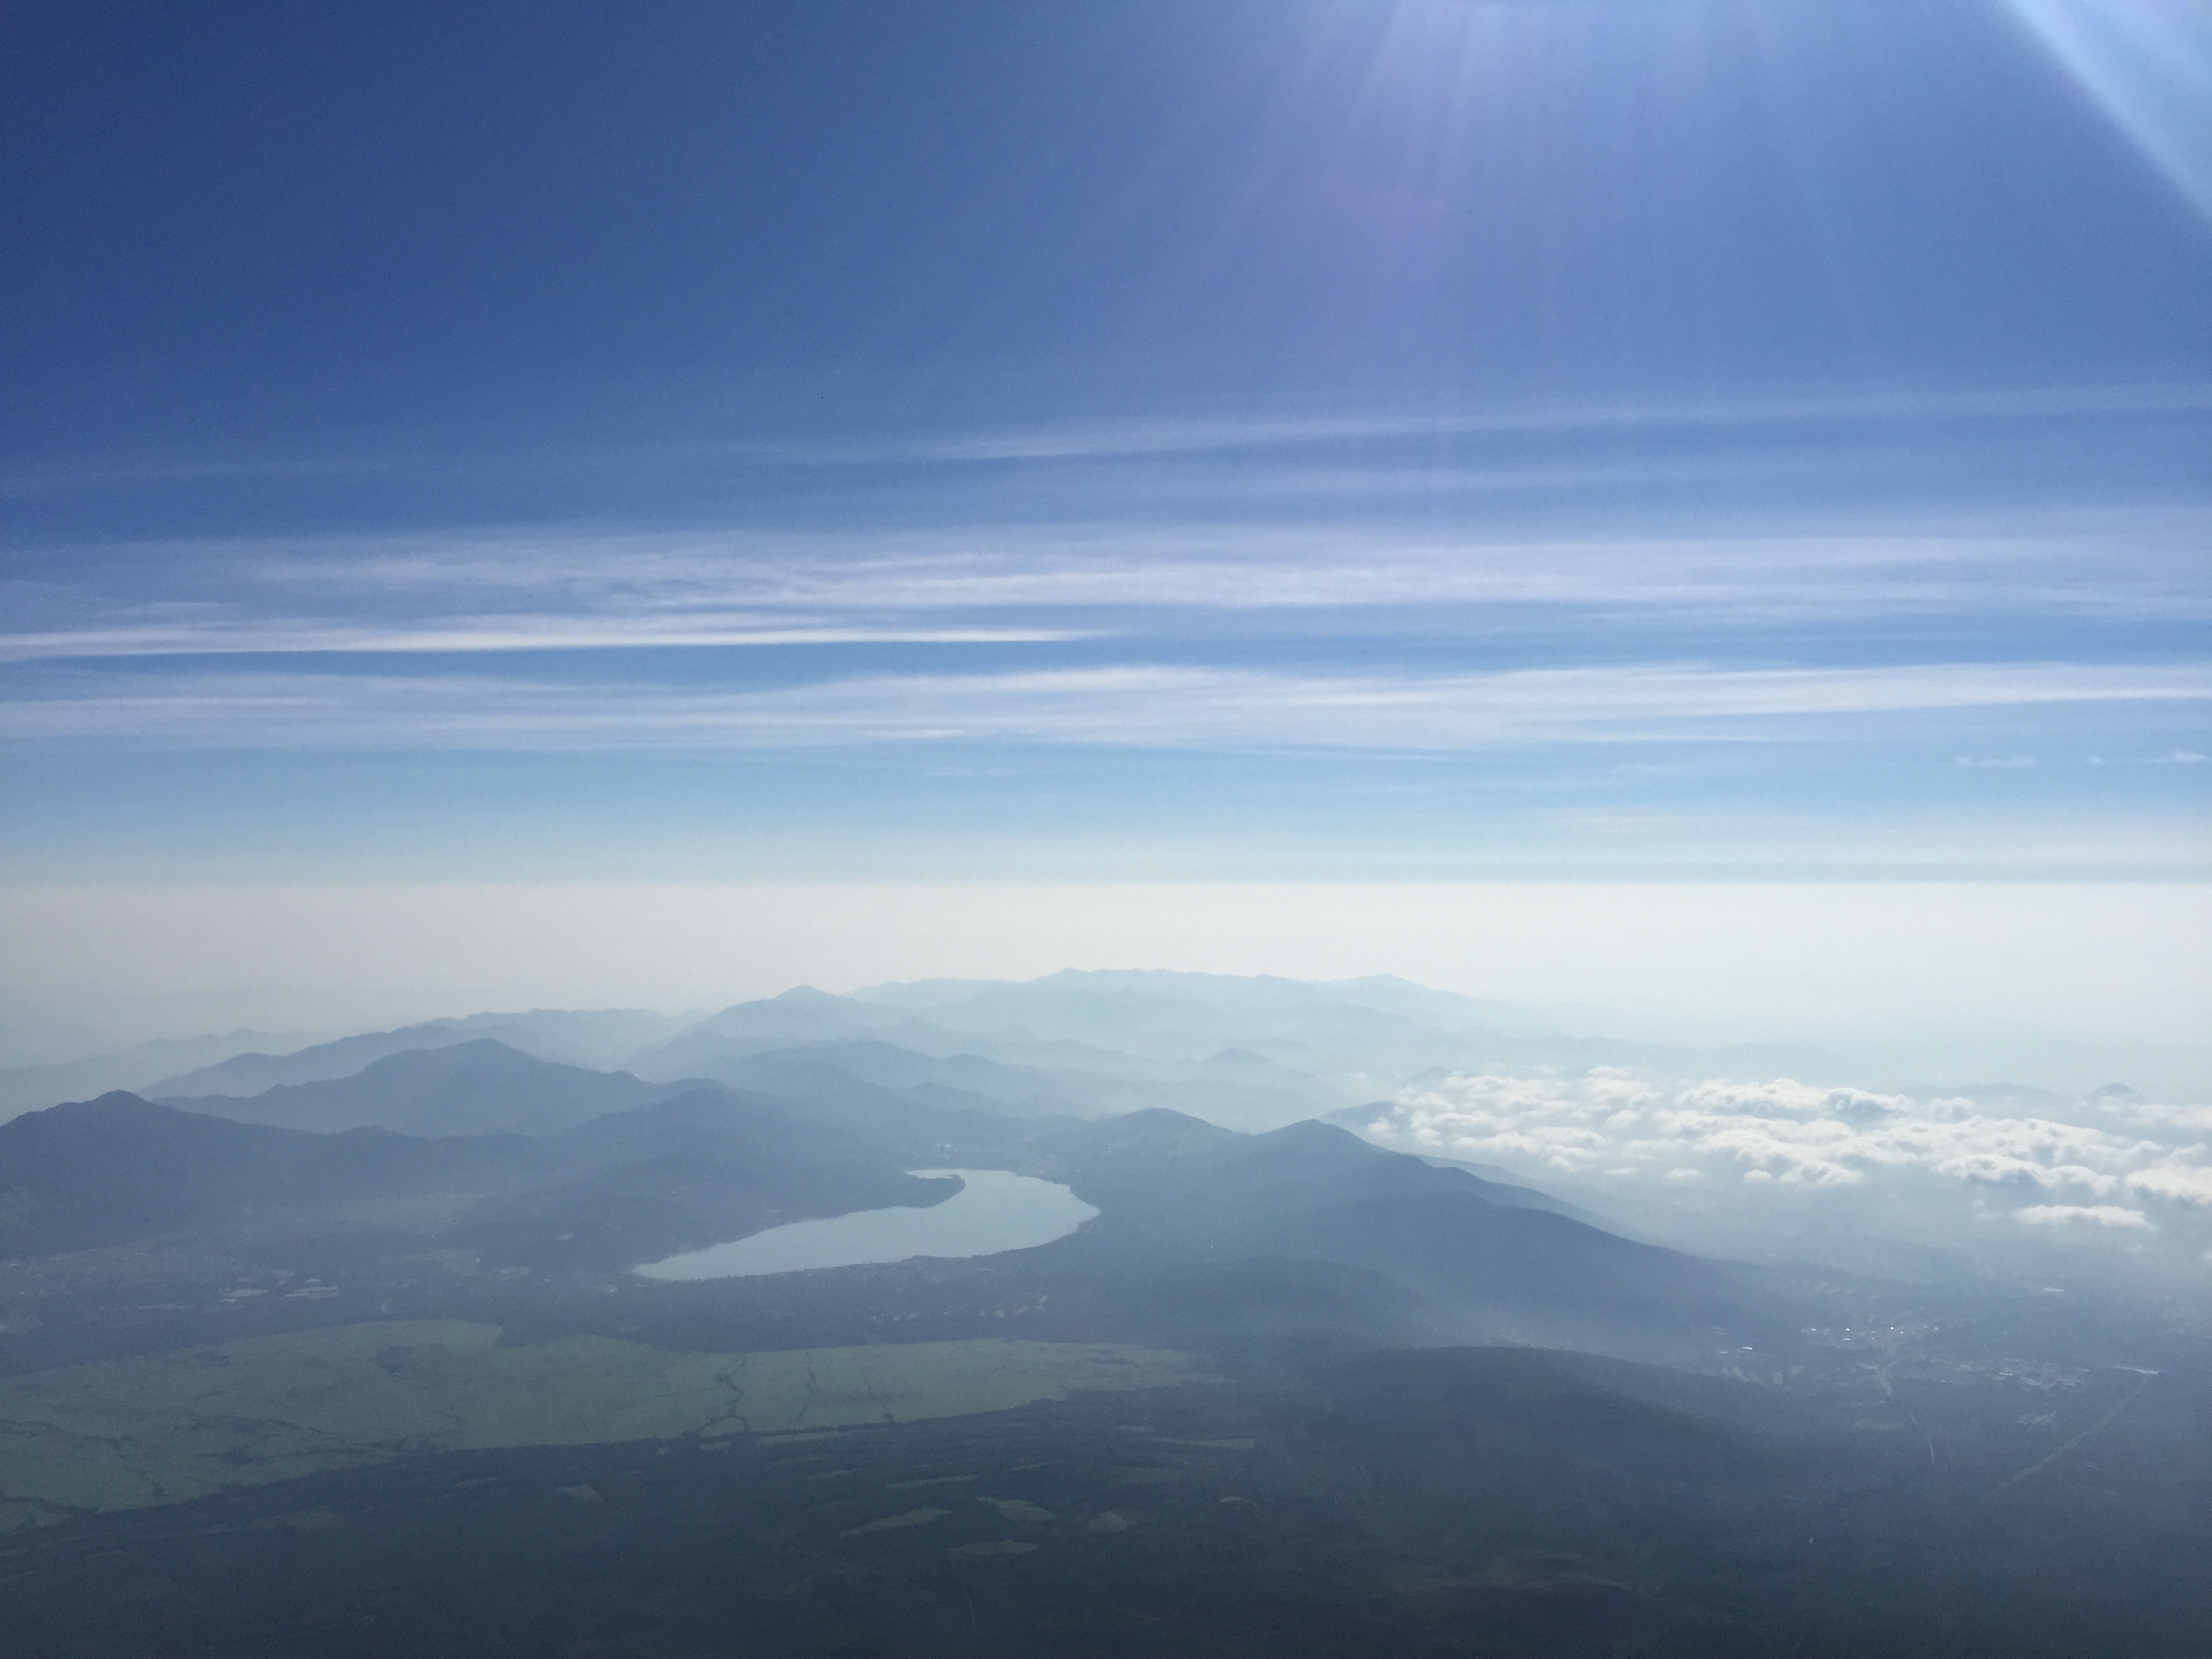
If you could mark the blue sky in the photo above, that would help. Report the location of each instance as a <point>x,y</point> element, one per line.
<point>1338,442</point>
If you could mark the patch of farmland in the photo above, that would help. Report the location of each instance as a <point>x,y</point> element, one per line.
<point>164,1428</point>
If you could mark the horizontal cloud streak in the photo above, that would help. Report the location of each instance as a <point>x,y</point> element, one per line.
<point>1185,436</point>
<point>570,590</point>
<point>1143,705</point>
<point>1137,436</point>
<point>487,635</point>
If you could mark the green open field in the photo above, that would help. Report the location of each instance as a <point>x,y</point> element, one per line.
<point>164,1428</point>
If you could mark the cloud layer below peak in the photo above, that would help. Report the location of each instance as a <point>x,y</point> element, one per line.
<point>1718,1159</point>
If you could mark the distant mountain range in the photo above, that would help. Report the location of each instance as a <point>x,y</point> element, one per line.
<point>597,1038</point>
<point>478,1087</point>
<point>1249,1053</point>
<point>26,1087</point>
<point>938,1064</point>
<point>1306,1227</point>
<point>1252,1053</point>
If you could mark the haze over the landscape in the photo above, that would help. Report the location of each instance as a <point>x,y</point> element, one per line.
<point>1275,825</point>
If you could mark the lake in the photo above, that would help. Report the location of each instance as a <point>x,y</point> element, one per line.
<point>994,1210</point>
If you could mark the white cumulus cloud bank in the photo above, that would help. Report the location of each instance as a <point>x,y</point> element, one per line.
<point>2094,1215</point>
<point>1765,1140</point>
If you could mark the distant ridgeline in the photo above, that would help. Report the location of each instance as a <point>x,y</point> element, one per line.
<point>1253,1052</point>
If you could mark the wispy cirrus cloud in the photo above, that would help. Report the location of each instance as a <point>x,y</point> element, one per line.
<point>573,589</point>
<point>462,635</point>
<point>1144,435</point>
<point>1138,705</point>
<point>1108,439</point>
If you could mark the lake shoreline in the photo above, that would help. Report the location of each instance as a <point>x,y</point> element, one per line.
<point>993,1211</point>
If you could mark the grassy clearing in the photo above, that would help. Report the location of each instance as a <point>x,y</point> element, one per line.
<point>1020,1509</point>
<point>163,1428</point>
<point>892,1522</point>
